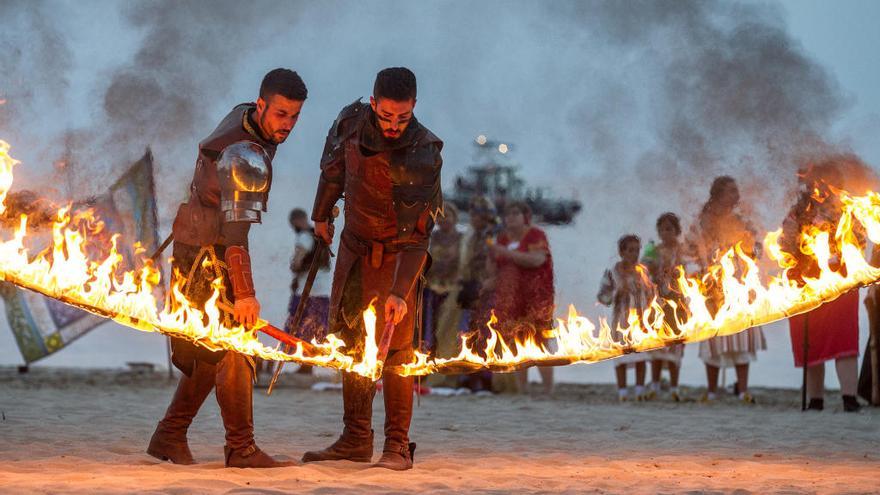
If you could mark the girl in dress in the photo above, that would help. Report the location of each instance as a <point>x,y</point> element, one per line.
<point>624,287</point>
<point>663,262</point>
<point>719,227</point>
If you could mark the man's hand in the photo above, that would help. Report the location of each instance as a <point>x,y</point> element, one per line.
<point>324,231</point>
<point>246,311</point>
<point>395,309</point>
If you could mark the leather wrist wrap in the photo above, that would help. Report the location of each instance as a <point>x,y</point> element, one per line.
<point>238,264</point>
<point>327,196</point>
<point>409,266</point>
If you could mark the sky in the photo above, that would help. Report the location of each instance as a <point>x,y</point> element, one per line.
<point>630,107</point>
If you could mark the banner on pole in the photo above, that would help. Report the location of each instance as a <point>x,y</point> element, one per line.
<point>42,325</point>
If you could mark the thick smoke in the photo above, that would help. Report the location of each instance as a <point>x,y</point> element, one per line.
<point>723,89</point>
<point>639,103</point>
<point>162,97</point>
<point>631,106</point>
<point>34,60</point>
<point>35,65</point>
<point>188,58</point>
<point>658,94</point>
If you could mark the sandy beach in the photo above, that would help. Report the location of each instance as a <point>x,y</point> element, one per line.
<point>85,431</point>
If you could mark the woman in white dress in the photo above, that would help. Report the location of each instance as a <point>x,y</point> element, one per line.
<point>719,227</point>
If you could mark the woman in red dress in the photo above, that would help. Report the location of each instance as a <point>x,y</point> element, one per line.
<point>831,331</point>
<point>524,292</point>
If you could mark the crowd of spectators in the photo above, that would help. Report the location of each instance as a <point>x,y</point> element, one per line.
<point>501,263</point>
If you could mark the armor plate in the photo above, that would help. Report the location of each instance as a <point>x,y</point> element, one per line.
<point>245,173</point>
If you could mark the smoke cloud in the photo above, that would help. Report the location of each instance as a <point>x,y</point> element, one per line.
<point>35,64</point>
<point>632,107</point>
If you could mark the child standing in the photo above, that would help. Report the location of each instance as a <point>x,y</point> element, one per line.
<point>624,288</point>
<point>663,262</point>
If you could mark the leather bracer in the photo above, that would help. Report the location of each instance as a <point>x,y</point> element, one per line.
<point>326,197</point>
<point>238,264</point>
<point>410,264</point>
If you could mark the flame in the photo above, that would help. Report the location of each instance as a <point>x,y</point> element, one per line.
<point>66,271</point>
<point>746,301</point>
<point>748,297</point>
<point>6,164</point>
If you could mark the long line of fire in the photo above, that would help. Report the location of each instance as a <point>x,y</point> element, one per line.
<point>65,271</point>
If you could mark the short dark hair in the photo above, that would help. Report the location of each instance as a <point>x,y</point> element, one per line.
<point>719,184</point>
<point>284,82</point>
<point>296,213</point>
<point>626,239</point>
<point>395,83</point>
<point>673,220</point>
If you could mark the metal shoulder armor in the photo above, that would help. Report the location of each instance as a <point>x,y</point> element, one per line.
<point>245,173</point>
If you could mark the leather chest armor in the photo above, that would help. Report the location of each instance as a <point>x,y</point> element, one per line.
<point>392,196</point>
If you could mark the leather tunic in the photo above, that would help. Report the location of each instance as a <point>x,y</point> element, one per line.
<point>392,197</point>
<point>370,215</point>
<point>199,224</point>
<point>409,167</point>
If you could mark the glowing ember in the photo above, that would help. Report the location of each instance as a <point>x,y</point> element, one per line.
<point>66,272</point>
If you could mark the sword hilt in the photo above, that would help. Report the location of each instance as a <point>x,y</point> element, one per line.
<point>276,333</point>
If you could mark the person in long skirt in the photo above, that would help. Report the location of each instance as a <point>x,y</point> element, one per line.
<point>831,331</point>
<point>719,227</point>
<point>663,262</point>
<point>442,277</point>
<point>524,289</point>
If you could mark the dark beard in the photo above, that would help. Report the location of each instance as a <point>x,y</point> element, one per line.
<point>373,139</point>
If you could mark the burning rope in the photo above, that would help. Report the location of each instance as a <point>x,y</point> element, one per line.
<point>65,272</point>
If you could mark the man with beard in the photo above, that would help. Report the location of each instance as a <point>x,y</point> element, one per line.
<point>388,166</point>
<point>229,192</point>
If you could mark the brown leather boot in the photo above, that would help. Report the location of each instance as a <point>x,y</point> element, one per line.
<point>397,457</point>
<point>170,446</point>
<point>345,448</point>
<point>235,390</point>
<point>398,395</point>
<point>168,442</point>
<point>252,457</point>
<point>356,442</point>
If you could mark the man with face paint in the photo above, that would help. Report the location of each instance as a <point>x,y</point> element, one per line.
<point>388,166</point>
<point>228,193</point>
